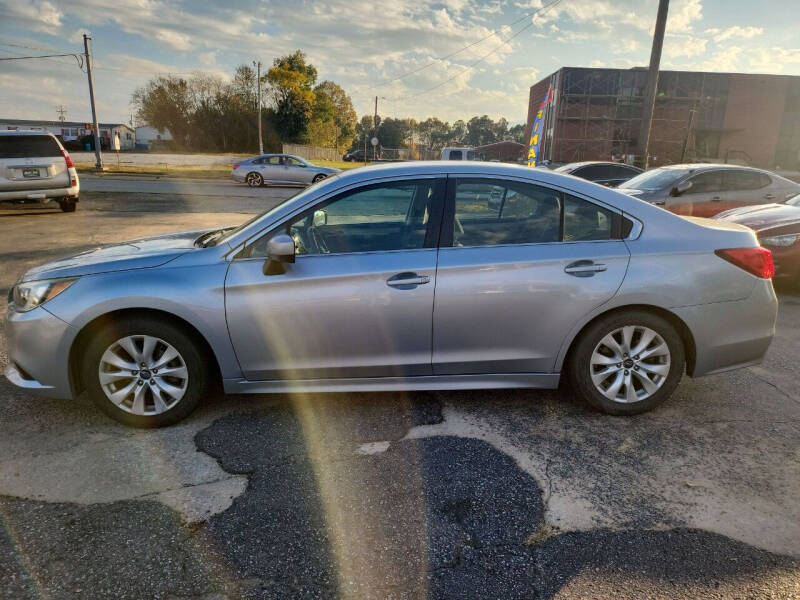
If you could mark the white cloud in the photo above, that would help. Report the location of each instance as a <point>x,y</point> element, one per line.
<point>737,32</point>
<point>40,15</point>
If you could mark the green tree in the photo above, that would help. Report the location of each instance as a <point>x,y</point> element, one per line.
<point>517,133</point>
<point>334,100</point>
<point>291,80</point>
<point>166,103</point>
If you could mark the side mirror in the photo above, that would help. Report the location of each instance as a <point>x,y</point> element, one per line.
<point>280,250</point>
<point>681,188</point>
<point>320,217</point>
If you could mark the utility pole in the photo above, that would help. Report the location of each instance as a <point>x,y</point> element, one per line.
<point>689,132</point>
<point>652,81</point>
<point>375,126</point>
<point>61,113</point>
<point>258,85</point>
<point>98,165</point>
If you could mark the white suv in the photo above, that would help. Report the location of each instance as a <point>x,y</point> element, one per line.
<point>35,167</point>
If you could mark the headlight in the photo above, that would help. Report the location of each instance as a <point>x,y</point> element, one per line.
<point>31,294</point>
<point>780,240</point>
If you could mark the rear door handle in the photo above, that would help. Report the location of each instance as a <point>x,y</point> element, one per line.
<point>407,280</point>
<point>769,196</point>
<point>584,268</point>
<point>716,199</point>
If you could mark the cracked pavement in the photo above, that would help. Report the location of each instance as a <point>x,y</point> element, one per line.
<point>502,494</point>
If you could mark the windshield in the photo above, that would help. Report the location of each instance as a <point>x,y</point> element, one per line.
<point>657,179</point>
<point>312,189</point>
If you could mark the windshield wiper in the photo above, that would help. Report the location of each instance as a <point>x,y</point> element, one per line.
<point>207,239</point>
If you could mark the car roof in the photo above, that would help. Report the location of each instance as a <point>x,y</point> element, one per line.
<point>575,165</point>
<point>710,167</point>
<point>25,132</point>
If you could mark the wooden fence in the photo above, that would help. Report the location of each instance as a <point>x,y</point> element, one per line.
<point>312,152</point>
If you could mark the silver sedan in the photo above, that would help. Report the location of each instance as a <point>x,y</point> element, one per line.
<point>441,275</point>
<point>279,169</point>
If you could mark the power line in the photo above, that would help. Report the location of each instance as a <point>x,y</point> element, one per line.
<point>468,46</point>
<point>479,60</point>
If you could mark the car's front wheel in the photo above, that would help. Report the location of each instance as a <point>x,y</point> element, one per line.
<point>318,177</point>
<point>145,372</point>
<point>254,179</point>
<point>627,362</point>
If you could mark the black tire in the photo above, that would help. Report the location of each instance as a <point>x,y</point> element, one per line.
<point>254,179</point>
<point>197,364</point>
<point>68,205</point>
<point>580,369</point>
<point>317,178</point>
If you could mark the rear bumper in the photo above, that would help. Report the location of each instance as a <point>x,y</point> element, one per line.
<point>731,335</point>
<point>38,349</point>
<point>45,195</point>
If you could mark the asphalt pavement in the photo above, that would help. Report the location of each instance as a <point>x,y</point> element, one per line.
<point>153,184</point>
<point>472,494</point>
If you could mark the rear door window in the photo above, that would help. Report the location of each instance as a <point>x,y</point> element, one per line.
<point>594,172</point>
<point>28,146</point>
<point>736,180</point>
<point>455,155</point>
<point>491,212</point>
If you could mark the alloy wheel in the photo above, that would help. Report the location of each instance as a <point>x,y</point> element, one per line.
<point>630,364</point>
<point>254,179</point>
<point>143,375</point>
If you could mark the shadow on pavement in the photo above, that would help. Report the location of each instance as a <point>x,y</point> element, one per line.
<point>339,504</point>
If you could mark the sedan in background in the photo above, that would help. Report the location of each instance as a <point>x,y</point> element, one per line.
<point>609,174</point>
<point>279,169</point>
<point>778,228</point>
<point>704,190</point>
<point>333,291</point>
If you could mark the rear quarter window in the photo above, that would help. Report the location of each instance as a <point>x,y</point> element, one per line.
<point>28,146</point>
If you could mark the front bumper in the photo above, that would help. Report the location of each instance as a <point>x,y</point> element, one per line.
<point>38,352</point>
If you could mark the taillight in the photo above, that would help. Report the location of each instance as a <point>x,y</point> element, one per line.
<point>235,166</point>
<point>70,164</point>
<point>757,261</point>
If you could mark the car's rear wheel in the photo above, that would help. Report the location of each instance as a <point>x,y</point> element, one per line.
<point>627,362</point>
<point>68,204</point>
<point>318,177</point>
<point>145,372</point>
<point>254,179</point>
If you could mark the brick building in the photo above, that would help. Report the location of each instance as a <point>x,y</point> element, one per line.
<point>734,117</point>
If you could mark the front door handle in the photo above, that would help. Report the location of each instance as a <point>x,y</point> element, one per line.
<point>407,280</point>
<point>769,196</point>
<point>584,268</point>
<point>716,199</point>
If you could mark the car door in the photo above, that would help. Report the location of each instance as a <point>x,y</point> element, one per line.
<point>299,172</point>
<point>705,198</point>
<point>745,187</point>
<point>358,300</point>
<point>511,283</point>
<point>274,170</point>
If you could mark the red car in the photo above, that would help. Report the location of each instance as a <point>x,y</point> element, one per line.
<point>778,228</point>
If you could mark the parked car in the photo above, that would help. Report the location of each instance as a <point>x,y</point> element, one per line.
<point>333,290</point>
<point>279,169</point>
<point>34,167</point>
<point>354,156</point>
<point>609,174</point>
<point>778,228</point>
<point>461,154</point>
<point>703,190</point>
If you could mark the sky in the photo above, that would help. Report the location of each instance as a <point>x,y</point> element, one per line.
<point>412,55</point>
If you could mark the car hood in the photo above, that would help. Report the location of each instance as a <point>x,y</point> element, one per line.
<point>763,216</point>
<point>135,254</point>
